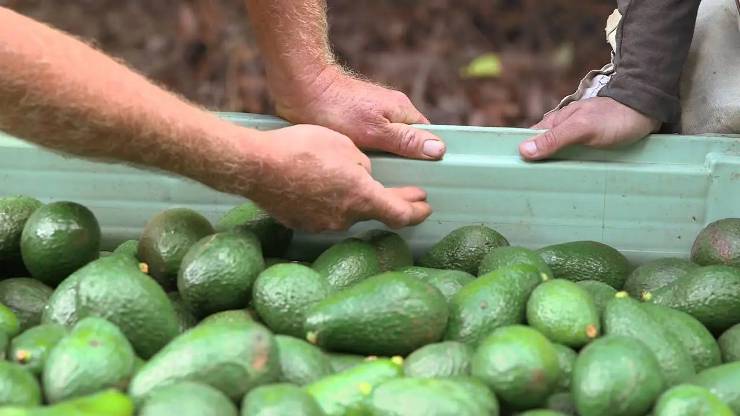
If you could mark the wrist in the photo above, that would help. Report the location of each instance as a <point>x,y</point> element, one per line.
<point>305,87</point>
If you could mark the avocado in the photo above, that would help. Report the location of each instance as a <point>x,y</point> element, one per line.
<point>347,263</point>
<point>723,381</point>
<point>185,318</point>
<point>448,282</point>
<point>274,237</point>
<point>300,362</point>
<point>387,314</point>
<point>4,344</point>
<point>566,360</point>
<point>236,315</point>
<point>626,316</point>
<point>463,249</point>
<point>562,402</point>
<point>14,212</point>
<point>218,271</point>
<point>340,362</point>
<point>129,248</point>
<point>58,239</point>
<point>26,298</point>
<point>346,392</point>
<point>9,323</point>
<point>432,397</point>
<point>587,260</point>
<point>519,364</point>
<point>616,375</point>
<point>685,400</point>
<point>187,399</point>
<point>166,239</point>
<point>563,312</point>
<point>30,348</point>
<point>280,399</point>
<point>656,274</point>
<point>729,344</point>
<point>18,386</point>
<point>510,256</point>
<point>442,359</point>
<point>710,294</point>
<point>600,292</point>
<point>694,337</point>
<point>230,355</point>
<point>493,300</point>
<point>283,293</point>
<point>393,252</point>
<point>108,402</point>
<point>115,289</point>
<point>93,356</point>
<point>718,243</point>
<point>541,412</point>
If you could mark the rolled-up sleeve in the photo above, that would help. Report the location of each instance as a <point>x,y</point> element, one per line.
<point>653,42</point>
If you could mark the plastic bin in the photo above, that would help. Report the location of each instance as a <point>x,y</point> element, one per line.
<point>648,200</point>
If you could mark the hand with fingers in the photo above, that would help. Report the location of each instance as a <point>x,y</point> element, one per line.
<point>599,122</point>
<point>374,117</point>
<point>315,179</point>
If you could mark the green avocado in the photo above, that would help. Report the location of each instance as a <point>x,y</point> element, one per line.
<point>729,344</point>
<point>95,355</point>
<point>346,392</point>
<point>392,250</point>
<point>110,402</point>
<point>448,282</point>
<point>587,260</point>
<point>687,400</point>
<point>9,323</point>
<point>14,212</point>
<point>18,386</point>
<point>519,364</point>
<point>280,399</point>
<point>442,359</point>
<point>566,361</point>
<point>115,289</point>
<point>616,375</point>
<point>463,249</point>
<point>562,402</point>
<point>283,293</point>
<point>387,314</point>
<point>31,348</point>
<point>564,312</point>
<point>511,256</point>
<point>432,397</point>
<point>58,239</point>
<point>347,262</point>
<point>218,271</point>
<point>129,248</point>
<point>496,299</point>
<point>185,318</point>
<point>718,243</point>
<point>187,399</point>
<point>166,239</point>
<point>600,292</point>
<point>301,363</point>
<point>627,317</point>
<point>26,298</point>
<point>340,362</point>
<point>656,274</point>
<point>274,237</point>
<point>723,381</point>
<point>231,355</point>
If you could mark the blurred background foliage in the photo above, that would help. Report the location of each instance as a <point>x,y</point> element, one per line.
<point>486,62</point>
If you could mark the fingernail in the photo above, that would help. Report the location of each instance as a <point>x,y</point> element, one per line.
<point>529,148</point>
<point>433,148</point>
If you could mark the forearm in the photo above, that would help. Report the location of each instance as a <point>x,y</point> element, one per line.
<point>652,45</point>
<point>293,39</point>
<point>60,93</point>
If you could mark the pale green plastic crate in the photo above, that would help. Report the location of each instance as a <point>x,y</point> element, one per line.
<point>648,200</point>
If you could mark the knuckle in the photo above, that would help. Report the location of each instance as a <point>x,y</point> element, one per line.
<point>406,140</point>
<point>548,140</point>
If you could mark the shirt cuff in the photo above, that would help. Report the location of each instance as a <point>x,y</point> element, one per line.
<point>644,98</point>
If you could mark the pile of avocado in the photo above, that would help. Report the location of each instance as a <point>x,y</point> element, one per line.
<point>196,319</point>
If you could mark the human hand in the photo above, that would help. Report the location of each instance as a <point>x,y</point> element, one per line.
<point>599,122</point>
<point>375,118</point>
<point>315,179</point>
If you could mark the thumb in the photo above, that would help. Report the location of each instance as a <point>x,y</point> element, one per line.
<point>546,144</point>
<point>397,207</point>
<point>408,141</point>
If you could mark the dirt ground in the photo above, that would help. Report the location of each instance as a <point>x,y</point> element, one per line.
<point>203,49</point>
